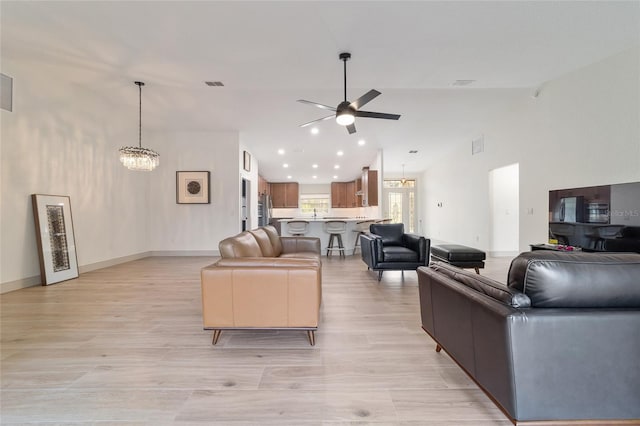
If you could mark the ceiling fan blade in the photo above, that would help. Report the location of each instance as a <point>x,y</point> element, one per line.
<point>317,105</point>
<point>319,119</point>
<point>369,114</point>
<point>351,128</point>
<point>365,99</point>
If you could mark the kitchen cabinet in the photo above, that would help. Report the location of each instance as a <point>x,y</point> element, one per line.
<point>369,187</point>
<point>350,196</point>
<point>263,186</point>
<point>343,194</point>
<point>338,193</point>
<point>284,195</point>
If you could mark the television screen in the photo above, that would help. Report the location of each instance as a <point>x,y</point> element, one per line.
<point>596,218</point>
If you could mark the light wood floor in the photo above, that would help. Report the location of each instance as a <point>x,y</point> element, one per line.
<point>125,345</point>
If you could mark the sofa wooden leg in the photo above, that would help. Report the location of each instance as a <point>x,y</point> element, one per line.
<point>438,348</point>
<point>312,337</point>
<point>379,275</point>
<point>477,270</point>
<point>216,336</point>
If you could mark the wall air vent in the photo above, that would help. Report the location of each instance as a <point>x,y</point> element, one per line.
<point>462,82</point>
<point>214,83</point>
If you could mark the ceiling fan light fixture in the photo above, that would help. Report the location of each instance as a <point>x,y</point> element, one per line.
<point>345,118</point>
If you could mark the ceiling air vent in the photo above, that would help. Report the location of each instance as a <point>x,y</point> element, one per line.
<point>413,151</point>
<point>462,82</point>
<point>214,83</point>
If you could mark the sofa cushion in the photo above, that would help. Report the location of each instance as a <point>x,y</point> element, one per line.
<point>484,285</point>
<point>577,280</point>
<point>276,244</point>
<point>241,245</point>
<point>391,233</point>
<point>399,254</point>
<point>264,242</point>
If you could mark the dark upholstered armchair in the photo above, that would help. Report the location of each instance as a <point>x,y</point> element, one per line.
<point>387,248</point>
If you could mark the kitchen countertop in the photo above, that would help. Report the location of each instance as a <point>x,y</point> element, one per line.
<point>310,219</point>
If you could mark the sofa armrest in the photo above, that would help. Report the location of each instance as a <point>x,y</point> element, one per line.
<point>419,244</point>
<point>371,247</point>
<point>300,244</point>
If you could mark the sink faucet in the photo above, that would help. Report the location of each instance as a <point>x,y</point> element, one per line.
<point>314,213</point>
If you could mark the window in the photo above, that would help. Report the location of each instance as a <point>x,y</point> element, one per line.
<point>314,203</point>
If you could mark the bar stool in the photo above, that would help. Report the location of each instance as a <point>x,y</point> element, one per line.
<point>361,228</point>
<point>297,227</point>
<point>335,229</point>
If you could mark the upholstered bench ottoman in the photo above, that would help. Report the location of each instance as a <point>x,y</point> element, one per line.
<point>460,256</point>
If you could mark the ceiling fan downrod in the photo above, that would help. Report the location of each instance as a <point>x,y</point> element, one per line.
<point>344,57</point>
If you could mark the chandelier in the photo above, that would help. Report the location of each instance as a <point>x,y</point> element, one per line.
<point>137,157</point>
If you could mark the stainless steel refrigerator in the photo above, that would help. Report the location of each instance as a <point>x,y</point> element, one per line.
<point>264,209</point>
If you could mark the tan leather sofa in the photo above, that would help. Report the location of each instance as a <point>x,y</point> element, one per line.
<point>263,281</point>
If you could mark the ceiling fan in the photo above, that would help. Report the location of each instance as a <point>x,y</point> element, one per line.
<point>346,112</point>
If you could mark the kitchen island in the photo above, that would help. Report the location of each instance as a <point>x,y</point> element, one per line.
<point>316,229</point>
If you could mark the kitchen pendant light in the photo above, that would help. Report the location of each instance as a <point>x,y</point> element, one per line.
<point>137,157</point>
<point>403,180</point>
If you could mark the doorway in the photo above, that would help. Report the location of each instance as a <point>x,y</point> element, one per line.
<point>400,202</point>
<point>504,194</point>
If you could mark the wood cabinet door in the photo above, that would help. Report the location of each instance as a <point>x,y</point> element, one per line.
<point>278,195</point>
<point>350,194</point>
<point>338,194</point>
<point>335,196</point>
<point>372,192</point>
<point>291,195</point>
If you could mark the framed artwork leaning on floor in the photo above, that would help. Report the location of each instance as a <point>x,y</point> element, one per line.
<point>55,238</point>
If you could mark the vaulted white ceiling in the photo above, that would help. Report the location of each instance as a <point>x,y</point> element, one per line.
<point>269,54</point>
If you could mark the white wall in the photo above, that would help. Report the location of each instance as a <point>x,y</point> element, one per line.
<point>194,228</point>
<point>582,130</point>
<point>61,139</point>
<point>505,205</point>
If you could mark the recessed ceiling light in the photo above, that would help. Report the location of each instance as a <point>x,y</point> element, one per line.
<point>315,130</point>
<point>361,142</point>
<point>285,165</point>
<point>340,153</point>
<point>335,176</point>
<point>337,166</point>
<point>314,176</point>
<point>281,151</point>
<point>315,166</point>
<point>289,177</point>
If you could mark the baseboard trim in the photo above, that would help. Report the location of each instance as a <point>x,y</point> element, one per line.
<point>20,284</point>
<point>203,253</point>
<point>112,262</point>
<point>503,253</point>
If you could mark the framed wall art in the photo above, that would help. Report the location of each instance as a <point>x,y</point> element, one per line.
<point>192,187</point>
<point>55,238</point>
<point>246,163</point>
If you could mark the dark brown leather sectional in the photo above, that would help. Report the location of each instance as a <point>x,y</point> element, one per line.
<point>560,342</point>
